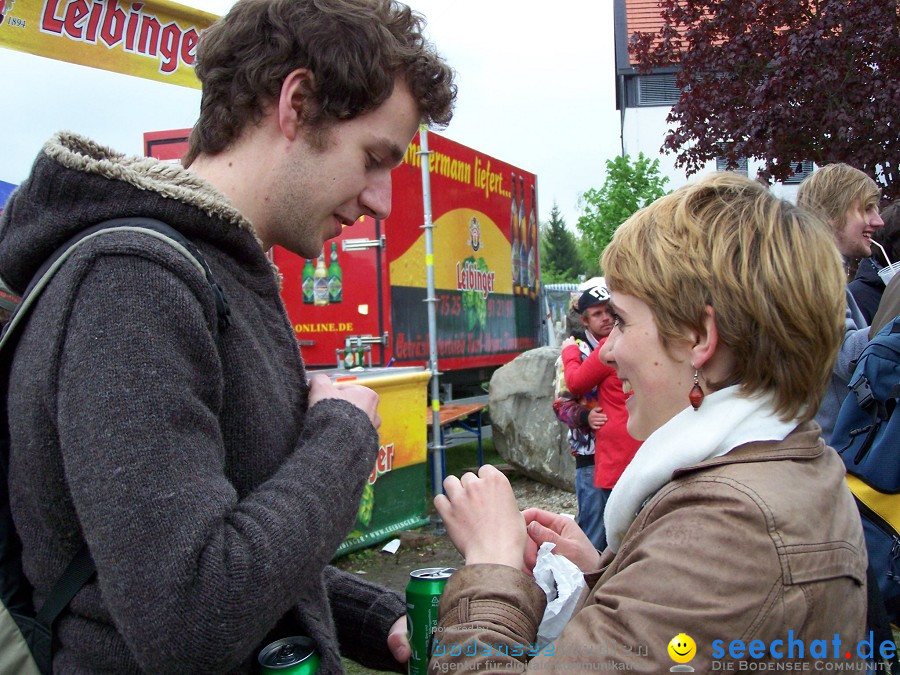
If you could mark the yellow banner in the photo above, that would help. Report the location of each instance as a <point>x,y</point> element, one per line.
<point>156,39</point>
<point>453,243</point>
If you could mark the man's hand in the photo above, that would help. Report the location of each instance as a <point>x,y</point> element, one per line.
<point>321,387</point>
<point>570,541</point>
<point>596,418</point>
<point>398,642</point>
<point>482,518</point>
<point>569,342</point>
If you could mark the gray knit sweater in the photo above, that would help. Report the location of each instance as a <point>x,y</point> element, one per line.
<point>211,496</point>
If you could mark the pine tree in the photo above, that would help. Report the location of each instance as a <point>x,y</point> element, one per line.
<point>560,260</point>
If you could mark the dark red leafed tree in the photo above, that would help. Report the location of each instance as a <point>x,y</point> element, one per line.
<point>782,81</point>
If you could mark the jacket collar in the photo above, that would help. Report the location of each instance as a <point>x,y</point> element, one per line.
<point>804,443</point>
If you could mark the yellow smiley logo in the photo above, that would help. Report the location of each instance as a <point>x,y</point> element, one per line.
<point>682,648</point>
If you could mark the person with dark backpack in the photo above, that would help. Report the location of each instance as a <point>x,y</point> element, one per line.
<point>867,437</point>
<point>209,478</point>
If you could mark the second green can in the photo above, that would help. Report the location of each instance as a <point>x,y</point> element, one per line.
<point>289,656</point>
<point>423,593</point>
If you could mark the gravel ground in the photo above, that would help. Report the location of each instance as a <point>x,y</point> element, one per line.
<point>530,493</point>
<point>431,547</point>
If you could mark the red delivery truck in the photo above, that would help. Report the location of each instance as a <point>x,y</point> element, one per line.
<point>362,301</point>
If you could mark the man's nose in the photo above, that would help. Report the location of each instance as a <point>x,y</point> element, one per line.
<point>376,196</point>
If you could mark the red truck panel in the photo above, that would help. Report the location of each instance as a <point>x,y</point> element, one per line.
<point>487,299</point>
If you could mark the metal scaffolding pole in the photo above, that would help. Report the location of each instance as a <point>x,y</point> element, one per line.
<point>437,445</point>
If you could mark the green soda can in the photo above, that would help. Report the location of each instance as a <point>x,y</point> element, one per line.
<point>423,593</point>
<point>292,655</point>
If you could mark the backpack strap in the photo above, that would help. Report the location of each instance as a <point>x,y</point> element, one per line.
<point>149,226</point>
<point>38,630</point>
<point>863,392</point>
<point>77,574</point>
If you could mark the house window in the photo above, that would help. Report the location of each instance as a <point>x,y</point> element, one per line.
<point>741,168</point>
<point>657,89</point>
<point>801,171</point>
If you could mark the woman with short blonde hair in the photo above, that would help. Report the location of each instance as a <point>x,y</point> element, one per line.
<point>768,269</point>
<point>732,533</point>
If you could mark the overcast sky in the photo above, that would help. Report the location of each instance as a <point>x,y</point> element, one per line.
<point>536,89</point>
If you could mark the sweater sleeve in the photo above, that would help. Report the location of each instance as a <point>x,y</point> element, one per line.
<point>852,346</point>
<point>363,614</point>
<point>582,376</point>
<point>571,413</point>
<point>856,336</point>
<point>193,574</point>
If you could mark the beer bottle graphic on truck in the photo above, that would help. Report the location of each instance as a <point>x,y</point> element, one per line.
<point>320,282</point>
<point>322,286</point>
<point>306,282</point>
<point>335,277</point>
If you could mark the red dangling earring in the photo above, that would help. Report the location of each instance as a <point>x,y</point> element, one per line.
<point>696,396</point>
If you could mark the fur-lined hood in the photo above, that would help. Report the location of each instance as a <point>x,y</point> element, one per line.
<point>76,183</point>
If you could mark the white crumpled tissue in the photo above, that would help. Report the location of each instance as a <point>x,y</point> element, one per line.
<point>563,583</point>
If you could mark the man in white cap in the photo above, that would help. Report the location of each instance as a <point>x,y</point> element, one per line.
<point>583,415</point>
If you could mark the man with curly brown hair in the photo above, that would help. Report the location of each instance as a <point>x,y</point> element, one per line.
<point>211,481</point>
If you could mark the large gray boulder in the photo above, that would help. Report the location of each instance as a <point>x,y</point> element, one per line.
<point>526,432</point>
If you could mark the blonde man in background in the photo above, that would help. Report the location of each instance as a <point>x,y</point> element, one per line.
<point>846,199</point>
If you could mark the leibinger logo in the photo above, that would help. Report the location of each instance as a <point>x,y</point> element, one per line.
<point>797,654</point>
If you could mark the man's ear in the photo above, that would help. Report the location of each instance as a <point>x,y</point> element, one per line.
<point>295,97</point>
<point>705,341</point>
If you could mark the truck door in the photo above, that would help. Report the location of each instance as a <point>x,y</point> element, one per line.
<point>335,302</point>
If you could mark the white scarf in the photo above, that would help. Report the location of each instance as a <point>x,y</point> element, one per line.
<point>724,421</point>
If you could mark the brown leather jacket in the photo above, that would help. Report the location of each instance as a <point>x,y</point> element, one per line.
<point>761,544</point>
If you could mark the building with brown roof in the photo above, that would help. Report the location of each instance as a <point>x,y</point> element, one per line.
<point>645,99</point>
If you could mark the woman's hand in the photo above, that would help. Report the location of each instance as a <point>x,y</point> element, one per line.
<point>569,342</point>
<point>570,541</point>
<point>482,518</point>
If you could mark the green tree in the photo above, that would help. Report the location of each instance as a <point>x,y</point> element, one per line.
<point>560,261</point>
<point>629,186</point>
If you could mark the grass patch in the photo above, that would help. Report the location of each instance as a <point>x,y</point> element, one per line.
<point>464,457</point>
<point>360,557</point>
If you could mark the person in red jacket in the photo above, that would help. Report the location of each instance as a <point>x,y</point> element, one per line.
<point>613,445</point>
<point>582,413</point>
